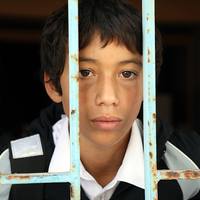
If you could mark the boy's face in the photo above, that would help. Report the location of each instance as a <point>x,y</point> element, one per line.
<point>111,91</point>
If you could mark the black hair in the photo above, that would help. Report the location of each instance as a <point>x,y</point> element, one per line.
<point>110,19</point>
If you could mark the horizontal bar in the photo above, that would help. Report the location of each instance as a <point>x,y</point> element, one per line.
<point>178,174</point>
<point>70,177</point>
<point>38,178</point>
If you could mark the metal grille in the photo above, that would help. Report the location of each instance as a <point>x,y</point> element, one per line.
<point>152,175</point>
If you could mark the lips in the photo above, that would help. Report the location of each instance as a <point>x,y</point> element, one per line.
<point>106,123</point>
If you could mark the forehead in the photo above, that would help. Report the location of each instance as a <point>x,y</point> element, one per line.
<point>112,53</point>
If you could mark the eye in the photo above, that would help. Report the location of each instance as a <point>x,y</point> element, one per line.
<point>85,73</point>
<point>127,74</point>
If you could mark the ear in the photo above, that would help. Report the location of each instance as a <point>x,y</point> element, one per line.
<point>51,90</point>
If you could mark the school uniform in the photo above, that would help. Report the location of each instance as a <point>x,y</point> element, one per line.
<point>175,150</point>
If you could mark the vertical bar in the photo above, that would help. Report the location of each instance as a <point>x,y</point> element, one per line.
<point>148,22</point>
<point>74,98</point>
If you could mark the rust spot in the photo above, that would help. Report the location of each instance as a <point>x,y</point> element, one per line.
<point>76,77</point>
<point>149,93</point>
<point>191,175</point>
<point>74,166</point>
<point>154,118</point>
<point>149,100</point>
<point>172,175</point>
<point>72,143</point>
<point>149,52</point>
<point>72,191</point>
<point>148,123</point>
<point>73,111</point>
<point>149,60</point>
<point>154,99</point>
<point>155,187</point>
<point>148,83</point>
<point>74,57</point>
<point>147,16</point>
<point>150,143</point>
<point>153,170</point>
<point>196,174</point>
<point>149,76</point>
<point>151,154</point>
<point>148,30</point>
<point>76,17</point>
<point>20,177</point>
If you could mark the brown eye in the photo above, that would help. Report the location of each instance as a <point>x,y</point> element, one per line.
<point>84,73</point>
<point>127,74</point>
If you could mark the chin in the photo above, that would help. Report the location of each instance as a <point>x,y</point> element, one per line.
<point>103,142</point>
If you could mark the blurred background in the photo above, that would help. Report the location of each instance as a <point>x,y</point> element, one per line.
<point>23,95</point>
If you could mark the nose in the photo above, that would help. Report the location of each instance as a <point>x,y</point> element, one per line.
<point>107,92</point>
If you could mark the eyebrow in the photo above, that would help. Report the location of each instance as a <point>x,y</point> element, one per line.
<point>134,60</point>
<point>90,60</point>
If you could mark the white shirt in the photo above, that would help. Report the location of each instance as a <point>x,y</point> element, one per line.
<point>131,171</point>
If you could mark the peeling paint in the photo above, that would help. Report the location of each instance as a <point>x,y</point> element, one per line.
<point>189,174</point>
<point>73,111</point>
<point>23,178</point>
<point>174,175</point>
<point>149,52</point>
<point>151,155</point>
<point>72,191</point>
<point>74,56</point>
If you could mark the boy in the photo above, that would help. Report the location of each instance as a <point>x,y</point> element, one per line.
<point>111,94</point>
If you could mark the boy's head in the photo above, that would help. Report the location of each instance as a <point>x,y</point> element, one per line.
<point>110,68</point>
<point>109,19</point>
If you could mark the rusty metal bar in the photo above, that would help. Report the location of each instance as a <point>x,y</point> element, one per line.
<point>74,98</point>
<point>152,175</point>
<point>149,121</point>
<point>73,176</point>
<point>178,174</point>
<point>37,178</point>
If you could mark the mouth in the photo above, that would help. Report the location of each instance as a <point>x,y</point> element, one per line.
<point>106,123</point>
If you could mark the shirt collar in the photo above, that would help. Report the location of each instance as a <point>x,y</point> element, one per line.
<point>131,170</point>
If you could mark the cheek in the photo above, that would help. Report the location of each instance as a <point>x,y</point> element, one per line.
<point>134,99</point>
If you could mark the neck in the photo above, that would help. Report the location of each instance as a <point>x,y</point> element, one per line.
<point>103,162</point>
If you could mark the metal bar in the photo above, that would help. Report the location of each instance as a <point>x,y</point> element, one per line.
<point>178,174</point>
<point>74,98</point>
<point>149,120</point>
<point>152,175</point>
<point>73,176</point>
<point>37,178</point>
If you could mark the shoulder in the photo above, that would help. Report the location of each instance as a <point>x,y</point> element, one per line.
<point>188,143</point>
<point>182,152</point>
<point>5,169</point>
